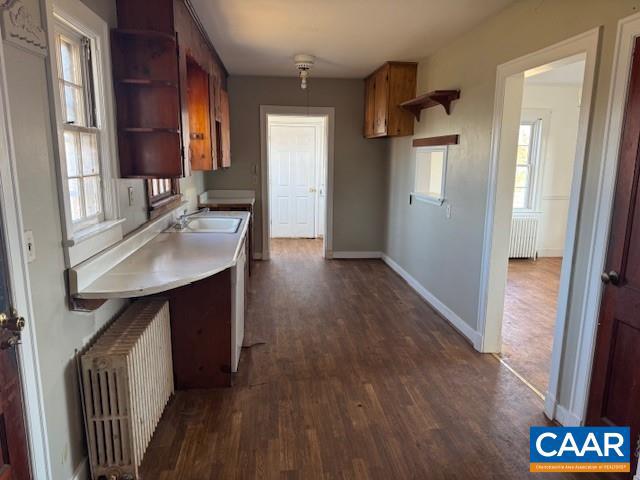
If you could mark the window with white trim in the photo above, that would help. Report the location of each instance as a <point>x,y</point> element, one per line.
<point>80,130</point>
<point>430,174</point>
<point>80,68</point>
<point>526,165</point>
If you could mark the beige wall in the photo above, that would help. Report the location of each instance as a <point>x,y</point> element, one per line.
<point>359,164</point>
<point>445,255</point>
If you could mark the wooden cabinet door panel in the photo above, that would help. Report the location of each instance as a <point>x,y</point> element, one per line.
<point>213,107</point>
<point>615,383</point>
<point>199,109</point>
<point>381,101</point>
<point>369,106</point>
<point>225,130</point>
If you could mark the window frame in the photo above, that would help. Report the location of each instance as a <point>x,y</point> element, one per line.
<point>165,201</point>
<point>533,165</point>
<point>88,125</point>
<point>422,196</point>
<point>75,17</point>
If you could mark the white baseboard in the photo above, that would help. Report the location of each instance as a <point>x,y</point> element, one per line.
<point>463,327</point>
<point>550,406</point>
<point>551,252</point>
<point>82,472</point>
<point>567,418</point>
<point>347,255</point>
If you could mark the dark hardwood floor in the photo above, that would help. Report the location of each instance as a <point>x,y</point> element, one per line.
<point>348,374</point>
<point>530,317</point>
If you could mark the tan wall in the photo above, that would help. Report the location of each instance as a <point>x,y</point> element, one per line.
<point>445,255</point>
<point>359,164</point>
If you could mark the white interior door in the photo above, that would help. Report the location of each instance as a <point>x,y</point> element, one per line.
<point>292,171</point>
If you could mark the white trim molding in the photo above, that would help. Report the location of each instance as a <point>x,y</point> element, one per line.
<point>329,114</point>
<point>628,31</point>
<point>20,29</point>
<point>460,325</point>
<point>19,274</point>
<point>500,187</point>
<point>356,255</point>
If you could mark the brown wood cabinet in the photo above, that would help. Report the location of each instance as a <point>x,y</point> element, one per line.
<point>387,87</point>
<point>224,135</point>
<point>168,82</point>
<point>201,153</point>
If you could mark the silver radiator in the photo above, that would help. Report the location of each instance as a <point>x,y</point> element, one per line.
<point>524,235</point>
<point>127,380</point>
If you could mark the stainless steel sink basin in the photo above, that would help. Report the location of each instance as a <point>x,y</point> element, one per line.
<point>213,224</point>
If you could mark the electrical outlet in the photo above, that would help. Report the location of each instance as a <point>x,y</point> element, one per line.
<point>130,191</point>
<point>29,246</point>
<point>448,210</point>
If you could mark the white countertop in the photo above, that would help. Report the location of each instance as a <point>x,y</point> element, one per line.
<point>170,260</point>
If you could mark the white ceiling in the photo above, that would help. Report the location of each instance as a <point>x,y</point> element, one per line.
<point>350,38</point>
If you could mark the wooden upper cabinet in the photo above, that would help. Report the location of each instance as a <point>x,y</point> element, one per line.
<point>385,89</point>
<point>224,131</point>
<point>199,112</point>
<point>166,75</point>
<point>369,105</point>
<point>145,71</point>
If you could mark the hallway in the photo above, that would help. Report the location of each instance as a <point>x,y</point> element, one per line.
<point>348,374</point>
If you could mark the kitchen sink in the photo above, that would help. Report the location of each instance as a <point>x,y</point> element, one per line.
<point>212,224</point>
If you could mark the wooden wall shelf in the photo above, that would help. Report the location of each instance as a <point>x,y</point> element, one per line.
<point>431,99</point>
<point>436,141</point>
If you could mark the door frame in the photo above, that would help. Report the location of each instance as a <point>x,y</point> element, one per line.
<point>627,32</point>
<point>319,126</point>
<point>329,114</point>
<point>494,266</point>
<point>33,398</point>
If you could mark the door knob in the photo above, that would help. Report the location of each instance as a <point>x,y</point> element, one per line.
<point>611,277</point>
<point>13,322</point>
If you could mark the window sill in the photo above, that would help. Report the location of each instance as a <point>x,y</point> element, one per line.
<point>86,233</point>
<point>92,240</point>
<point>428,199</point>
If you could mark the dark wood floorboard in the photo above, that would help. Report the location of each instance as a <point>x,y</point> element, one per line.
<point>351,376</point>
<point>530,308</point>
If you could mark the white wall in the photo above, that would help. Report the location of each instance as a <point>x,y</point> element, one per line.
<point>560,104</point>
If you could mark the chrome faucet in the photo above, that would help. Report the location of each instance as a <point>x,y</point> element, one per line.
<point>182,219</point>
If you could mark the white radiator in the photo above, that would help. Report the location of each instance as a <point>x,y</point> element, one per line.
<point>127,378</point>
<point>524,235</point>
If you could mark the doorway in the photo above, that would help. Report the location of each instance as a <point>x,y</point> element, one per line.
<point>297,165</point>
<point>500,202</point>
<point>544,161</point>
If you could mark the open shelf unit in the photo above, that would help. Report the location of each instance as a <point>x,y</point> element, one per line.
<point>431,99</point>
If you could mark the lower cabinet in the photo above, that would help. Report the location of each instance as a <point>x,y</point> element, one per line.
<point>207,328</point>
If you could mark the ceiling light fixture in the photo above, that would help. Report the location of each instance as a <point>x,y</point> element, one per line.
<point>303,63</point>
